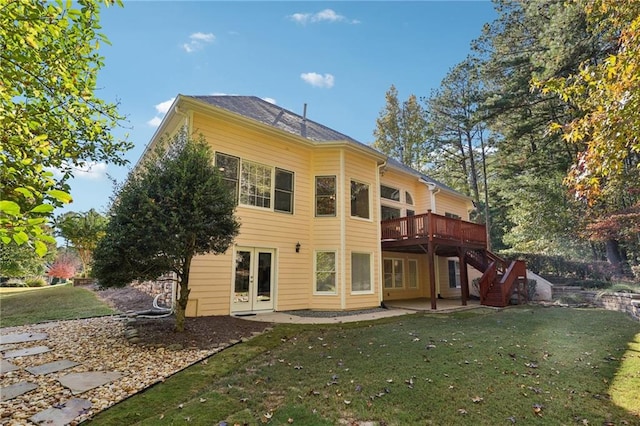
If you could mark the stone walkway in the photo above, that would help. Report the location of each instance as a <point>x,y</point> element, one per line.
<point>64,372</point>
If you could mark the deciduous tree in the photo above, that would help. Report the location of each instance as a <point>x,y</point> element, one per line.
<point>172,208</point>
<point>50,116</point>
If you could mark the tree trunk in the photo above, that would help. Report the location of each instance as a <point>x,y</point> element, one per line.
<point>181,306</point>
<point>613,254</point>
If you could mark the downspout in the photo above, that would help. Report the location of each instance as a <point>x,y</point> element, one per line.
<point>380,271</point>
<point>433,190</point>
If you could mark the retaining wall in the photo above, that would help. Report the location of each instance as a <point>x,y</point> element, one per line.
<point>623,302</point>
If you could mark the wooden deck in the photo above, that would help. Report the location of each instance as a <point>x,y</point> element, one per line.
<point>410,233</point>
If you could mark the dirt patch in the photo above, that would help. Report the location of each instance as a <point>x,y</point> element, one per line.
<point>200,332</point>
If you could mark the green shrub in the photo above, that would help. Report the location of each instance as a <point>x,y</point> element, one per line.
<point>35,282</point>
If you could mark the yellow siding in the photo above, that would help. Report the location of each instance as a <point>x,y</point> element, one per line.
<point>326,231</point>
<point>362,235</point>
<point>212,276</point>
<point>447,203</point>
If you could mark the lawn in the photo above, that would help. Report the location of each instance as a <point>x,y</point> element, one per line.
<point>525,365</point>
<point>20,306</point>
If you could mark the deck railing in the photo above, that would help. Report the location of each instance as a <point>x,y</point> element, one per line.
<point>433,226</point>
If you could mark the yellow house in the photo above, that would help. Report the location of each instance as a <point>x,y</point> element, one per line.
<point>327,223</point>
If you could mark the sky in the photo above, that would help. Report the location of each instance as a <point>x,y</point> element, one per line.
<point>340,58</point>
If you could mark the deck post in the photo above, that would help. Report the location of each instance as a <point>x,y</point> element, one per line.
<point>464,278</point>
<point>432,273</point>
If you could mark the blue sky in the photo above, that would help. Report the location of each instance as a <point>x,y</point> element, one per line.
<point>339,58</point>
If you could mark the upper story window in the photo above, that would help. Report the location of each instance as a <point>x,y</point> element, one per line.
<point>408,198</point>
<point>389,193</point>
<point>255,184</point>
<point>360,200</point>
<point>229,167</point>
<point>325,195</point>
<point>283,193</point>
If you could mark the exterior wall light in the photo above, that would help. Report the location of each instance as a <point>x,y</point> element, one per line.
<point>298,247</point>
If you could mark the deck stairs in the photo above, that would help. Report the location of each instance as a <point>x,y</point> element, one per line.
<point>500,278</point>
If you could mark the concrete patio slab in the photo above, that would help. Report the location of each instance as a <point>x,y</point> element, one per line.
<point>6,366</point>
<point>82,382</point>
<point>26,352</point>
<point>22,337</point>
<point>62,414</point>
<point>12,391</point>
<point>51,367</point>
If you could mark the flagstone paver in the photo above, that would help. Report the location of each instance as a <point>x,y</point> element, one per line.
<point>62,414</point>
<point>6,366</point>
<point>82,382</point>
<point>35,350</point>
<point>52,367</point>
<point>17,389</point>
<point>22,337</point>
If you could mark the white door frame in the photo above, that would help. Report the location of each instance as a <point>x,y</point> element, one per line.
<point>253,269</point>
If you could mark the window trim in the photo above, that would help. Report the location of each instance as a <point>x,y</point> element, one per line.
<point>335,196</point>
<point>371,276</point>
<point>369,217</point>
<point>394,285</point>
<point>315,273</point>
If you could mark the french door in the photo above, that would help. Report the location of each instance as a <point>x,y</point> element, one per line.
<point>254,280</point>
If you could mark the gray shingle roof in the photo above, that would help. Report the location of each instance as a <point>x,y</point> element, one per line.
<point>275,116</point>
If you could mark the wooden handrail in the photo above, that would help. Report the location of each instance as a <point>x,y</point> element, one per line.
<point>487,280</point>
<point>433,226</point>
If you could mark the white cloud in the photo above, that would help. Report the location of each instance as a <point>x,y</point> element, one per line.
<point>270,100</point>
<point>163,107</point>
<point>197,41</point>
<point>91,170</point>
<point>155,121</point>
<point>326,15</point>
<point>318,80</point>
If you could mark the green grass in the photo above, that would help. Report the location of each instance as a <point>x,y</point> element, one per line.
<point>20,306</point>
<point>529,365</point>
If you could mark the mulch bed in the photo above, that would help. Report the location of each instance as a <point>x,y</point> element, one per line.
<point>200,332</point>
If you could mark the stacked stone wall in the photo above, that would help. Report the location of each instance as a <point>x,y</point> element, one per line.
<point>163,286</point>
<point>623,302</point>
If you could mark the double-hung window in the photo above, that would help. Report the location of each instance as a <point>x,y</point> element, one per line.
<point>325,272</point>
<point>360,272</point>
<point>325,195</point>
<point>283,192</point>
<point>360,200</point>
<point>229,167</point>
